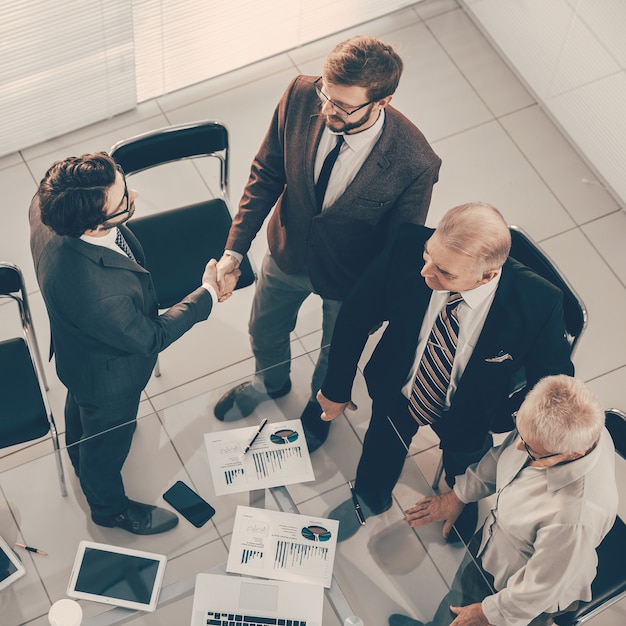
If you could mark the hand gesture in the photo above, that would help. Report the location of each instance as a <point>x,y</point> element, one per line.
<point>227,275</point>
<point>332,409</point>
<point>210,276</point>
<point>446,507</point>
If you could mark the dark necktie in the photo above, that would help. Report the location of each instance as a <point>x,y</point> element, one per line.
<point>322,182</point>
<point>121,242</point>
<point>431,382</point>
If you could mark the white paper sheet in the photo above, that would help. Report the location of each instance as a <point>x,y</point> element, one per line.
<point>279,456</point>
<point>283,546</point>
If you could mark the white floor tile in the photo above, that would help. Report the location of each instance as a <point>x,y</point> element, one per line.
<point>481,65</point>
<point>484,164</point>
<point>556,162</point>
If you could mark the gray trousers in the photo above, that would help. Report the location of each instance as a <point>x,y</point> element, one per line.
<point>277,300</point>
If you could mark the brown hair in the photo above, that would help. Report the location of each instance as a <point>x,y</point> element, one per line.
<point>73,193</point>
<point>365,62</point>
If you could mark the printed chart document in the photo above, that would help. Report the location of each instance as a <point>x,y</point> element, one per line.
<point>283,546</point>
<point>279,456</point>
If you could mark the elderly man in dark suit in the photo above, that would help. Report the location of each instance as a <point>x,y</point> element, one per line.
<point>463,319</point>
<point>106,330</point>
<point>331,217</point>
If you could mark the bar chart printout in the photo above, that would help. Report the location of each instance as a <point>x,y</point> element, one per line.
<point>279,456</point>
<point>283,546</point>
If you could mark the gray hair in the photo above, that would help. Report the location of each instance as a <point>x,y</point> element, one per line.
<point>562,414</point>
<point>477,230</point>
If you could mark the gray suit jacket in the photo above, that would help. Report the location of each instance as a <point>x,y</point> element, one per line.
<point>393,186</point>
<point>103,313</point>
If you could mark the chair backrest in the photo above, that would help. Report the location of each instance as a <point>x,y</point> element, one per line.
<point>25,412</point>
<point>609,586</point>
<point>173,143</point>
<point>527,252</point>
<point>179,241</point>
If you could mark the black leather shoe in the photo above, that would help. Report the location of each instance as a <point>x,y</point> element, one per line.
<point>402,620</point>
<point>349,523</point>
<point>140,519</point>
<point>465,524</point>
<point>315,428</point>
<point>241,401</point>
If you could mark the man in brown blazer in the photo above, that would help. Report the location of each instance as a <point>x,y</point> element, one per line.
<point>331,218</point>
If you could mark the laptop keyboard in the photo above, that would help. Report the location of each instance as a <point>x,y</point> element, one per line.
<point>215,618</point>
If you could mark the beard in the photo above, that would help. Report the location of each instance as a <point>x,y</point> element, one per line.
<point>344,125</point>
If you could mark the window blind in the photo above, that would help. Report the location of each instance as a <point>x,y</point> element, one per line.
<point>64,65</point>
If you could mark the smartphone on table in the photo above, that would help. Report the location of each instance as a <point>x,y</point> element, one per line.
<point>189,504</point>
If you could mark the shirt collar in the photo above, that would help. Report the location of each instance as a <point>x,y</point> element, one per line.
<point>475,297</point>
<point>560,476</point>
<point>360,141</point>
<point>105,240</point>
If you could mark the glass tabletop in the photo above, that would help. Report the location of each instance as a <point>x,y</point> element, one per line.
<point>385,568</point>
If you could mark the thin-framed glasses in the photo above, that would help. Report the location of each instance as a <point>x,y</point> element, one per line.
<point>324,98</point>
<point>127,209</point>
<point>529,451</point>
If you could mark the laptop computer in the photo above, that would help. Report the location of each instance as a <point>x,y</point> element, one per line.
<point>223,600</point>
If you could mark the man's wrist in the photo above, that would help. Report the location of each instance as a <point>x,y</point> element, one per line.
<point>235,255</point>
<point>212,291</point>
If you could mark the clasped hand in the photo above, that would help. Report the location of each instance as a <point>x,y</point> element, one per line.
<point>224,287</point>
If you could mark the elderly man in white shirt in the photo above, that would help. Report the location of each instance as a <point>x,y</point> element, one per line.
<point>555,500</point>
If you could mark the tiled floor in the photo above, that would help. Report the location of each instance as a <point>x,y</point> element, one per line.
<point>496,145</point>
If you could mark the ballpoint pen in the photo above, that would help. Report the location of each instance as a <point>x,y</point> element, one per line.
<point>357,505</point>
<point>31,549</point>
<point>256,434</point>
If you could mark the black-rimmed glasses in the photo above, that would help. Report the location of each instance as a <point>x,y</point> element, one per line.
<point>324,98</point>
<point>127,209</point>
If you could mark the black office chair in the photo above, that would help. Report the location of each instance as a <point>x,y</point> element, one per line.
<point>178,242</point>
<point>609,585</point>
<point>25,413</point>
<point>527,252</point>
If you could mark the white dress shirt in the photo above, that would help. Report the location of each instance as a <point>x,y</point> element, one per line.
<point>539,539</point>
<point>355,150</point>
<point>472,313</point>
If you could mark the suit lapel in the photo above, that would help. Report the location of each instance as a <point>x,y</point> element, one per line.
<point>314,134</point>
<point>104,256</point>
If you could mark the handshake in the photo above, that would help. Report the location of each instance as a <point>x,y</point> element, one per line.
<point>222,276</point>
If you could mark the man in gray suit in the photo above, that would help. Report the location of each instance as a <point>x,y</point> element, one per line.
<point>330,220</point>
<point>106,330</point>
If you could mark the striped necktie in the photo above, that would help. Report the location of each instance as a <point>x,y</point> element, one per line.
<point>322,180</point>
<point>123,245</point>
<point>430,386</point>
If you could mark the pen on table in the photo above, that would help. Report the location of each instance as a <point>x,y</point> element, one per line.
<point>256,434</point>
<point>31,549</point>
<point>357,505</point>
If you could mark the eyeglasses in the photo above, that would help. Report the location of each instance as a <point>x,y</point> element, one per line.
<point>324,98</point>
<point>127,209</point>
<point>529,451</point>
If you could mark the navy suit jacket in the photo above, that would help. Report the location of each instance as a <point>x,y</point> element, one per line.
<point>394,185</point>
<point>103,313</point>
<point>525,321</point>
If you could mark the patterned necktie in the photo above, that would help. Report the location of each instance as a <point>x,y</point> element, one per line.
<point>121,243</point>
<point>430,386</point>
<point>322,182</point>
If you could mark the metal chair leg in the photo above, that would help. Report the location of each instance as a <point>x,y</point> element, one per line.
<point>438,475</point>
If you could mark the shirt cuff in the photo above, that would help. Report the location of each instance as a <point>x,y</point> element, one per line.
<point>212,291</point>
<point>234,254</point>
